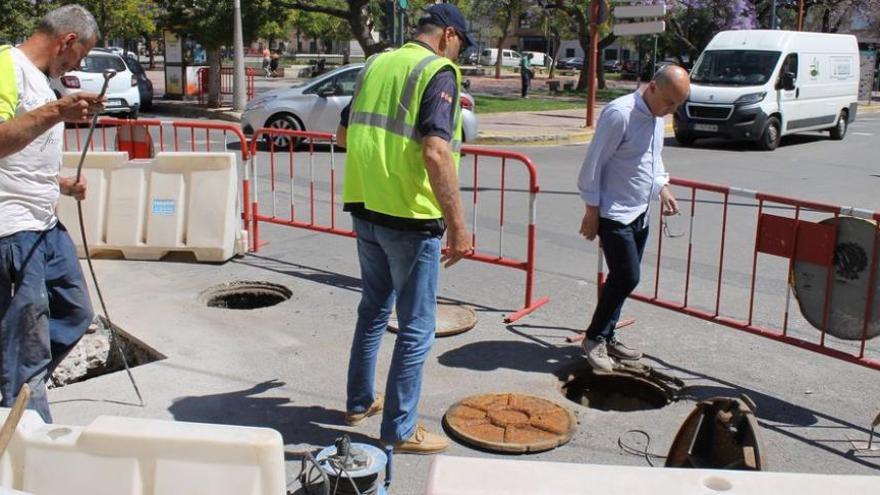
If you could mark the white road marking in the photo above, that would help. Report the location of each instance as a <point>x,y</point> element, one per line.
<point>863,133</point>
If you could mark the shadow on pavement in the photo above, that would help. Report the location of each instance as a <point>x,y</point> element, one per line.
<point>490,355</point>
<point>746,146</point>
<point>312,425</point>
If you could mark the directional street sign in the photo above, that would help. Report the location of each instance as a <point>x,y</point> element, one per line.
<point>633,11</point>
<point>637,28</point>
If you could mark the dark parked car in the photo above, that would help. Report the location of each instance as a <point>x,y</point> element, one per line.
<point>571,63</point>
<point>145,86</point>
<point>611,66</point>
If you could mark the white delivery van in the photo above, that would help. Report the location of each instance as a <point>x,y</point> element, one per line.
<point>760,85</point>
<point>509,58</point>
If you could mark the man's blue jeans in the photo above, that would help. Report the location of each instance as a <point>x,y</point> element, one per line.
<point>45,310</point>
<point>403,266</point>
<point>623,246</point>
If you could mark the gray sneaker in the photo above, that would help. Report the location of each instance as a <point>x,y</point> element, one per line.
<point>618,350</point>
<point>597,355</point>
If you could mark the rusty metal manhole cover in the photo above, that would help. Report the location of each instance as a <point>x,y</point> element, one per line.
<point>452,319</point>
<point>510,423</point>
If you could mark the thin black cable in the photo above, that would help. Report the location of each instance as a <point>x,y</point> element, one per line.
<point>635,450</point>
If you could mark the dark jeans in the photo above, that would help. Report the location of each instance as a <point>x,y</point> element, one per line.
<point>399,268</point>
<point>44,311</point>
<point>525,79</point>
<point>623,246</point>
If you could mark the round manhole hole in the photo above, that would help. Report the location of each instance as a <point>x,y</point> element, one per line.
<point>510,423</point>
<point>452,319</point>
<point>616,391</point>
<point>245,295</point>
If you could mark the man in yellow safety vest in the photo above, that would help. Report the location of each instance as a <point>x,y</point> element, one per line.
<point>402,131</point>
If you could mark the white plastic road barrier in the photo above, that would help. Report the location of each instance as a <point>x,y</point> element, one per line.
<point>474,476</point>
<point>128,456</point>
<point>148,208</point>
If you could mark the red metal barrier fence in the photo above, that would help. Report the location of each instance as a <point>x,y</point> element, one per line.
<point>142,137</point>
<point>825,255</point>
<point>285,210</point>
<point>227,77</point>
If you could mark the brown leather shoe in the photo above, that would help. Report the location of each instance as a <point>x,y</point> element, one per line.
<point>422,442</point>
<point>356,418</point>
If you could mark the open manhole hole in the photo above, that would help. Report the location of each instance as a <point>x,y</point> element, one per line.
<point>628,388</point>
<point>97,354</point>
<point>452,319</point>
<point>512,423</point>
<point>245,295</point>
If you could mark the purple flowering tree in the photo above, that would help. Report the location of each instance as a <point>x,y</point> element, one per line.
<point>690,24</point>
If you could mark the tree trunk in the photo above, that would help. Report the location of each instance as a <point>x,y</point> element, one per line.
<point>557,42</point>
<point>359,22</point>
<point>499,59</point>
<point>150,52</point>
<point>214,97</point>
<point>584,77</point>
<point>600,70</point>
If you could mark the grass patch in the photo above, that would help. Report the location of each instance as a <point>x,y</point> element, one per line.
<point>567,101</point>
<point>495,104</point>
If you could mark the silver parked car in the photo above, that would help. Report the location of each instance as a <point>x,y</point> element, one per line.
<point>316,104</point>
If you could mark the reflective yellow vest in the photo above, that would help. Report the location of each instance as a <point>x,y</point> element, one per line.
<point>384,165</point>
<point>8,84</point>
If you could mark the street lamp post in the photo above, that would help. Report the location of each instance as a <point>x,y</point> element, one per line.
<point>239,95</point>
<point>773,14</point>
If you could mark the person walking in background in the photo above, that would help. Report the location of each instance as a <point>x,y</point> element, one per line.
<point>273,65</point>
<point>621,174</point>
<point>525,73</point>
<point>267,62</point>
<point>401,188</point>
<point>44,302</point>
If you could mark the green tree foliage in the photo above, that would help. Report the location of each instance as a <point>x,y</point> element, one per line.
<point>125,19</point>
<point>365,16</point>
<point>18,18</point>
<point>321,26</point>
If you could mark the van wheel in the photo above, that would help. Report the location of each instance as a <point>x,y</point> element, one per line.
<point>839,129</point>
<point>770,138</point>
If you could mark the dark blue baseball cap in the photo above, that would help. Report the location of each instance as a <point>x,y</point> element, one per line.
<point>448,15</point>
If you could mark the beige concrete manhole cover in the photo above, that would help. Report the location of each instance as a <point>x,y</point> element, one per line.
<point>452,319</point>
<point>510,423</point>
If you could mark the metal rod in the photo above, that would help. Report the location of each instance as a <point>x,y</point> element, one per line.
<point>108,74</point>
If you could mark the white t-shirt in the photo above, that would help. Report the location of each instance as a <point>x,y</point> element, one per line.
<point>29,178</point>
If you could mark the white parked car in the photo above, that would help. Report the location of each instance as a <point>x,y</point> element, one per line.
<point>509,58</point>
<point>122,93</point>
<point>316,105</point>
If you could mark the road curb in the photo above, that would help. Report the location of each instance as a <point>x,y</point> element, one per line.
<point>574,137</point>
<point>192,111</point>
<point>863,109</point>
